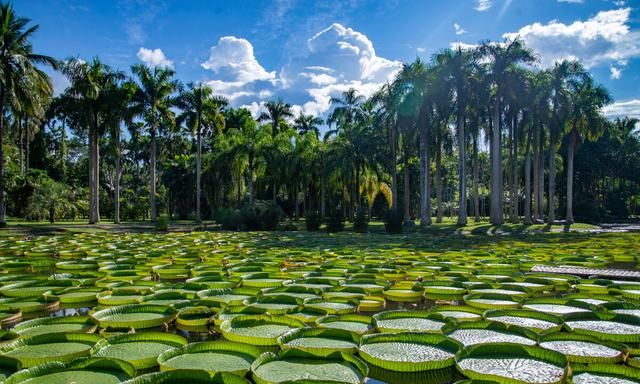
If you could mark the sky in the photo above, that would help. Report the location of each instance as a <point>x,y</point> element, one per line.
<point>307,51</point>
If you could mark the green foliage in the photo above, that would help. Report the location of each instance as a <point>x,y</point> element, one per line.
<point>288,225</point>
<point>162,223</point>
<point>361,220</point>
<point>262,215</point>
<point>51,200</point>
<point>313,221</point>
<point>335,221</point>
<point>393,221</point>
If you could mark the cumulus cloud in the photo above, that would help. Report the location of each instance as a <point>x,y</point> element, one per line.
<point>602,39</point>
<point>483,5</point>
<point>459,29</point>
<point>154,58</point>
<point>628,108</point>
<point>335,59</point>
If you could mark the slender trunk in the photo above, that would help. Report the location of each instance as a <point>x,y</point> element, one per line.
<point>462,168</point>
<point>295,200</point>
<point>21,145</point>
<point>27,153</point>
<point>3,221</point>
<point>250,170</point>
<point>152,188</point>
<point>96,171</point>
<point>407,195</point>
<point>476,174</point>
<point>116,198</point>
<point>536,197</point>
<point>322,195</point>
<point>439,211</point>
<point>496,166</point>
<point>540,174</point>
<point>394,171</point>
<point>515,199</point>
<point>552,182</point>
<point>198,175</point>
<point>425,172</point>
<point>527,181</point>
<point>571,149</point>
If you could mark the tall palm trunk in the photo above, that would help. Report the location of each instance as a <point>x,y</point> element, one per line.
<point>407,195</point>
<point>394,171</point>
<point>536,190</point>
<point>476,175</point>
<point>116,198</point>
<point>573,138</point>
<point>3,221</point>
<point>152,188</point>
<point>496,166</point>
<point>513,213</point>
<point>425,172</point>
<point>552,182</point>
<point>198,175</point>
<point>541,174</point>
<point>322,191</point>
<point>462,167</point>
<point>439,207</point>
<point>21,145</point>
<point>527,181</point>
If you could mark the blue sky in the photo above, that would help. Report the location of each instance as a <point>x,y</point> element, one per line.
<point>308,51</point>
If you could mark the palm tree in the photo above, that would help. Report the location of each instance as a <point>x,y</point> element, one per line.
<point>199,111</point>
<point>277,112</point>
<point>562,74</point>
<point>502,56</point>
<point>587,99</point>
<point>152,101</point>
<point>19,75</point>
<point>88,97</point>
<point>307,123</point>
<point>458,65</point>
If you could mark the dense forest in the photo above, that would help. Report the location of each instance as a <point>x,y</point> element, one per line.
<point>470,133</point>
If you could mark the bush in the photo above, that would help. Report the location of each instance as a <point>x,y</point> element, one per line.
<point>162,223</point>
<point>259,216</point>
<point>288,225</point>
<point>361,220</point>
<point>393,221</point>
<point>312,221</point>
<point>335,221</point>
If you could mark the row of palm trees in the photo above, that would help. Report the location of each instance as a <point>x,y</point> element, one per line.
<point>490,96</point>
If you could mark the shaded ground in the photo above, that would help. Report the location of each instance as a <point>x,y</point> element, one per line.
<point>447,227</point>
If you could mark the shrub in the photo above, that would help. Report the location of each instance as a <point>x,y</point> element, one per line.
<point>162,223</point>
<point>335,221</point>
<point>259,216</point>
<point>361,220</point>
<point>393,221</point>
<point>288,225</point>
<point>312,221</point>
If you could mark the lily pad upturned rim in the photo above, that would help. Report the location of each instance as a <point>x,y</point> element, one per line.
<point>527,313</point>
<point>247,320</point>
<point>605,316</point>
<point>208,346</point>
<point>170,339</point>
<point>169,314</point>
<point>91,324</point>
<point>405,314</point>
<point>329,333</point>
<point>510,302</point>
<point>607,369</point>
<point>429,339</point>
<point>492,326</point>
<point>268,357</point>
<point>565,336</point>
<point>88,363</point>
<point>187,376</point>
<point>20,362</point>
<point>509,350</point>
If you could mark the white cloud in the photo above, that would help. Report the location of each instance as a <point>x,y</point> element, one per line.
<point>628,108</point>
<point>459,29</point>
<point>483,5</point>
<point>154,57</point>
<point>616,73</point>
<point>233,57</point>
<point>602,39</point>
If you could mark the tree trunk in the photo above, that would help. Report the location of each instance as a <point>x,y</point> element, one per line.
<point>515,182</point>
<point>496,166</point>
<point>407,194</point>
<point>116,199</point>
<point>462,168</point>
<point>295,200</point>
<point>552,182</point>
<point>96,171</point>
<point>198,175</point>
<point>540,186</point>
<point>476,174</point>
<point>322,193</point>
<point>250,170</point>
<point>571,149</point>
<point>152,187</point>
<point>536,197</point>
<point>425,172</point>
<point>394,171</point>
<point>439,211</point>
<point>3,220</point>
<point>21,146</point>
<point>527,181</point>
